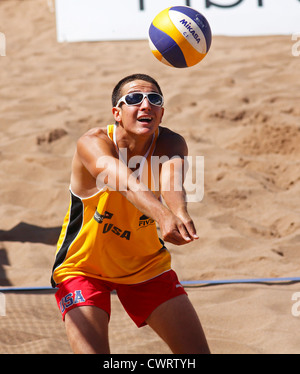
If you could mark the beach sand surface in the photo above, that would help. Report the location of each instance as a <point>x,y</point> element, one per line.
<point>239,109</point>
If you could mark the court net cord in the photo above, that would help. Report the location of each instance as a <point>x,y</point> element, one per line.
<point>185,284</point>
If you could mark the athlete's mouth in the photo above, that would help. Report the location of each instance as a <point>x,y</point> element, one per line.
<point>147,119</point>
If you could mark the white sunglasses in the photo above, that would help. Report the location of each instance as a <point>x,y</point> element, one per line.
<point>136,98</point>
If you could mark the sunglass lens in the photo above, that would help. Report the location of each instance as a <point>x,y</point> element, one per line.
<point>155,99</point>
<point>134,98</point>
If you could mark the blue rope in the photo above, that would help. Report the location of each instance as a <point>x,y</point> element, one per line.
<point>235,281</point>
<point>184,283</point>
<point>21,289</point>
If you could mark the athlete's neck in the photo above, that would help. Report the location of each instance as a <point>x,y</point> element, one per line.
<point>135,144</point>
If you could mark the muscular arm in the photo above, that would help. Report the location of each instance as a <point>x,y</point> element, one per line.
<point>172,178</point>
<point>98,164</point>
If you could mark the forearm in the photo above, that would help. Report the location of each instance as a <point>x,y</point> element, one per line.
<point>146,202</point>
<point>119,177</point>
<point>172,189</point>
<point>176,202</point>
<point>174,195</point>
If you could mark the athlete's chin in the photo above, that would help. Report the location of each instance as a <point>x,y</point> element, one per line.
<point>146,127</point>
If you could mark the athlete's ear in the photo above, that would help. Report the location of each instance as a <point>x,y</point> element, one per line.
<point>162,114</point>
<point>116,111</point>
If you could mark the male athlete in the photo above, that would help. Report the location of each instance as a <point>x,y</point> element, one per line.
<point>109,238</point>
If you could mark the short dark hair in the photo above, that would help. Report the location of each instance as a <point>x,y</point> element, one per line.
<point>116,94</point>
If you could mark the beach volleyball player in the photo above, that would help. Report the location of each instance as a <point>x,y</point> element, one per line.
<point>109,238</point>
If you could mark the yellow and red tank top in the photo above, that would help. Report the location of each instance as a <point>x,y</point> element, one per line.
<point>106,237</point>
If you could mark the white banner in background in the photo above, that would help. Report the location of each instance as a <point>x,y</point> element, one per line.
<point>94,20</point>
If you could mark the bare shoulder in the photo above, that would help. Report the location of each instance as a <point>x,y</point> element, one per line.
<point>170,143</point>
<point>96,136</point>
<point>90,146</point>
<point>97,132</point>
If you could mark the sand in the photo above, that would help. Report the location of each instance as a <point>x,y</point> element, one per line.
<point>239,108</point>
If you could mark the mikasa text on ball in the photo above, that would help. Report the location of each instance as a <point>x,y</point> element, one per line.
<point>180,36</point>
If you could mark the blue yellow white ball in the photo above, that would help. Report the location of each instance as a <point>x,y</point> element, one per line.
<point>180,36</point>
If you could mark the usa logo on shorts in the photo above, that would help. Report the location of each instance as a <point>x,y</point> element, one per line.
<point>71,299</point>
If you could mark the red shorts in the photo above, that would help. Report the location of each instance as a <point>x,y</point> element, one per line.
<point>139,300</point>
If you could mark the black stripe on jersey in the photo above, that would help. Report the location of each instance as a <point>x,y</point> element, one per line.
<point>74,226</point>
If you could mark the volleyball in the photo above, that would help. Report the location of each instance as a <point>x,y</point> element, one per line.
<point>180,36</point>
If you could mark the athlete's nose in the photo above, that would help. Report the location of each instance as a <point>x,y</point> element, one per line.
<point>145,104</point>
